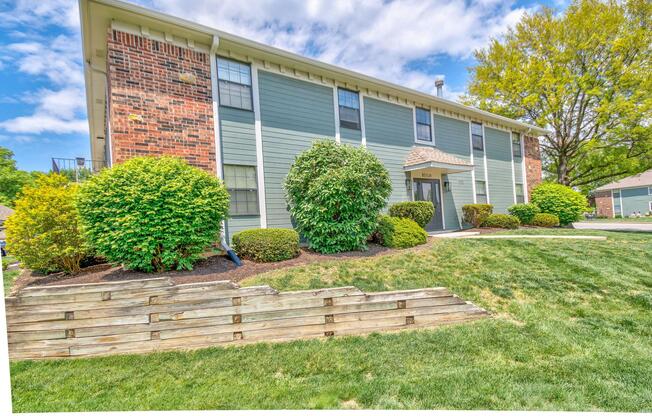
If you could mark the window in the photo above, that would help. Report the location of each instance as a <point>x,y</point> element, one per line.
<point>481,192</point>
<point>424,123</point>
<point>234,84</point>
<point>476,136</point>
<point>649,190</point>
<point>516,144</point>
<point>243,188</point>
<point>616,199</point>
<point>520,196</point>
<point>349,103</point>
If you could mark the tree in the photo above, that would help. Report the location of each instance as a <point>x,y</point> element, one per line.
<point>583,74</point>
<point>12,180</point>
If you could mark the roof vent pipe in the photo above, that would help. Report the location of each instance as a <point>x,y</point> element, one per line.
<point>439,83</point>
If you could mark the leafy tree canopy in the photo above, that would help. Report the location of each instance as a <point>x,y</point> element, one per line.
<point>584,75</point>
<point>12,180</point>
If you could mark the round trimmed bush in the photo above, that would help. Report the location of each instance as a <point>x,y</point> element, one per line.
<point>153,214</point>
<point>524,212</point>
<point>476,214</point>
<point>501,221</point>
<point>398,232</point>
<point>266,244</point>
<point>334,193</point>
<point>560,200</point>
<point>43,232</point>
<point>420,212</point>
<point>545,220</point>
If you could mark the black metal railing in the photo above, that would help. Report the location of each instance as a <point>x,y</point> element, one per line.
<point>77,169</point>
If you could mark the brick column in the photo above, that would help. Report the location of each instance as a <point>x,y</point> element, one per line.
<point>160,100</point>
<point>532,162</point>
<point>604,204</point>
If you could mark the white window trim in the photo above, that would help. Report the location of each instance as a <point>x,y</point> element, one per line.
<point>486,172</point>
<point>622,207</point>
<point>363,129</point>
<point>216,116</point>
<point>432,127</point>
<point>526,197</point>
<point>649,190</point>
<point>511,150</point>
<point>336,113</point>
<point>441,196</point>
<point>613,205</point>
<point>475,197</point>
<point>260,168</point>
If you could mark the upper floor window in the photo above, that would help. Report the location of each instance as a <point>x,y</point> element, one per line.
<point>424,124</point>
<point>242,185</point>
<point>476,136</point>
<point>234,84</point>
<point>516,145</point>
<point>349,104</point>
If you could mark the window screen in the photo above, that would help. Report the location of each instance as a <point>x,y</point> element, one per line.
<point>424,124</point>
<point>234,84</point>
<point>520,196</point>
<point>349,106</point>
<point>481,192</point>
<point>516,144</point>
<point>242,186</point>
<point>476,136</point>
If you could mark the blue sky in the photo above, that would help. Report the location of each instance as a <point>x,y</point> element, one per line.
<point>411,42</point>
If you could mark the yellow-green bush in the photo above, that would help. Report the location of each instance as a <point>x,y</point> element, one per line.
<point>501,221</point>
<point>476,214</point>
<point>397,232</point>
<point>420,212</point>
<point>266,244</point>
<point>560,200</point>
<point>43,232</point>
<point>545,220</point>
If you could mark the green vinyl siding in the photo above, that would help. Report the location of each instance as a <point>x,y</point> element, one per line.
<point>293,114</point>
<point>390,136</point>
<point>241,223</point>
<point>237,136</point>
<point>478,162</point>
<point>452,137</point>
<point>499,168</point>
<point>350,136</point>
<point>238,145</point>
<point>635,200</point>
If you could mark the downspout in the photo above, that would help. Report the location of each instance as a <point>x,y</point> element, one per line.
<point>218,154</point>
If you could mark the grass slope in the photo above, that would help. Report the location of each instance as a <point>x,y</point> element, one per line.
<point>572,330</point>
<point>9,275</point>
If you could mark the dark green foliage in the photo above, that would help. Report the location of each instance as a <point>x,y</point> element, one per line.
<point>420,212</point>
<point>335,193</point>
<point>266,244</point>
<point>501,221</point>
<point>545,220</point>
<point>475,214</point>
<point>397,232</point>
<point>153,214</point>
<point>12,180</point>
<point>524,212</point>
<point>564,202</point>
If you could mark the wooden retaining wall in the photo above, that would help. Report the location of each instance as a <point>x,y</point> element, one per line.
<point>148,315</point>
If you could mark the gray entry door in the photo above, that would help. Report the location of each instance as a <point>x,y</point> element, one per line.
<point>428,190</point>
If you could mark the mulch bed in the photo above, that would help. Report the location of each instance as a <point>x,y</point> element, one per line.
<point>213,268</point>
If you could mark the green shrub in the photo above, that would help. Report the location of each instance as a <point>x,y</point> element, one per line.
<point>43,232</point>
<point>153,214</point>
<point>524,212</point>
<point>266,244</point>
<point>397,232</point>
<point>476,214</point>
<point>501,221</point>
<point>564,202</point>
<point>335,193</point>
<point>420,212</point>
<point>545,220</point>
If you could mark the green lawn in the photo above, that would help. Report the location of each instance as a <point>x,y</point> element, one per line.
<point>9,275</point>
<point>633,220</point>
<point>572,330</point>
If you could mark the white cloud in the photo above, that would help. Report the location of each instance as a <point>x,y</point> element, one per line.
<point>40,13</point>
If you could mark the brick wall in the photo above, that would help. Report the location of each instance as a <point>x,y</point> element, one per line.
<point>532,162</point>
<point>160,100</point>
<point>603,204</point>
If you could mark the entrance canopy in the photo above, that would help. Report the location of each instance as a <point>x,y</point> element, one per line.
<point>430,157</point>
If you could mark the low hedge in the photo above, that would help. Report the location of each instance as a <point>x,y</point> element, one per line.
<point>420,212</point>
<point>501,221</point>
<point>476,214</point>
<point>545,220</point>
<point>266,244</point>
<point>398,232</point>
<point>524,212</point>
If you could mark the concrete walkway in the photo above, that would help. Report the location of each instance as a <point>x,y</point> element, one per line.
<point>613,226</point>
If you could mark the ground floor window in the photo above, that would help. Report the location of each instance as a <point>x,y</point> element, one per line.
<point>242,184</point>
<point>481,192</point>
<point>617,207</point>
<point>520,196</point>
